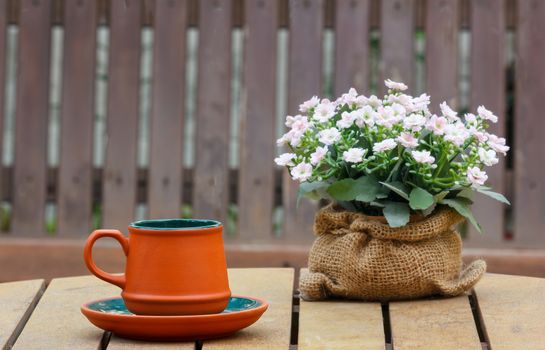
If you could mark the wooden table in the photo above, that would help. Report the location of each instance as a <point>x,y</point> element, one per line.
<point>503,312</point>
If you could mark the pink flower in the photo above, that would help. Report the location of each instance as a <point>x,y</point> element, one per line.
<point>308,105</point>
<point>346,121</point>
<point>354,155</point>
<point>437,124</point>
<point>423,157</point>
<point>476,176</point>
<point>395,85</point>
<point>456,133</point>
<point>486,114</point>
<point>285,159</point>
<point>414,122</point>
<point>318,155</point>
<point>329,136</point>
<point>324,111</point>
<point>385,145</point>
<point>497,144</point>
<point>407,140</point>
<point>301,172</point>
<point>448,112</point>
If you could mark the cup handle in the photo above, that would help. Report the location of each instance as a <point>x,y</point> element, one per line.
<point>118,280</point>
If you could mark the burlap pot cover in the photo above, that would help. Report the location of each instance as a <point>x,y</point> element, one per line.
<point>358,257</point>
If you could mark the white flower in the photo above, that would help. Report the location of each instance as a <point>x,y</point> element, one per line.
<point>407,140</point>
<point>283,140</point>
<point>402,99</point>
<point>349,98</point>
<point>365,115</point>
<point>318,155</point>
<point>298,123</point>
<point>329,136</point>
<point>420,103</point>
<point>301,172</point>
<point>285,159</point>
<point>497,144</point>
<point>389,115</point>
<point>456,133</point>
<point>374,101</point>
<point>354,155</point>
<point>423,157</point>
<point>476,176</point>
<point>295,137</point>
<point>414,122</point>
<point>346,121</point>
<point>471,118</point>
<point>486,114</point>
<point>487,157</point>
<point>308,105</point>
<point>385,145</point>
<point>324,111</point>
<point>448,112</point>
<point>479,135</point>
<point>395,85</point>
<point>437,124</point>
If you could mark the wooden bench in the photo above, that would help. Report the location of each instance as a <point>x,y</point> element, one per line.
<point>271,76</point>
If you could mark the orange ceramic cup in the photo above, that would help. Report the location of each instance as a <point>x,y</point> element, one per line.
<point>174,267</point>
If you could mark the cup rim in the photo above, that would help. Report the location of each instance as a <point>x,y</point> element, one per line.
<point>174,224</point>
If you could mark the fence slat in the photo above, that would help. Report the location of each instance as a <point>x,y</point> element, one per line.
<point>119,183</point>
<point>77,117</point>
<point>3,23</point>
<point>258,124</point>
<point>213,106</point>
<point>488,88</point>
<point>397,42</point>
<point>167,116</point>
<point>529,141</point>
<point>304,81</point>
<point>351,46</point>
<point>32,117</point>
<point>442,52</point>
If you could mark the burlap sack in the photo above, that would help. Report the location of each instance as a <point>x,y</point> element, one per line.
<point>358,257</point>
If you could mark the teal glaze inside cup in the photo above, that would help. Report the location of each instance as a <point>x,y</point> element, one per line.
<point>175,224</point>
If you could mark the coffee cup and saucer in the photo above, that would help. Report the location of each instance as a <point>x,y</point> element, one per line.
<point>175,285</point>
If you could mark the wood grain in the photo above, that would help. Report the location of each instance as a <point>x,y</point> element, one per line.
<point>304,81</point>
<point>75,192</point>
<point>488,89</point>
<point>210,196</point>
<point>442,52</point>
<point>351,46</point>
<point>272,331</point>
<point>340,325</point>
<point>119,183</point>
<point>512,309</point>
<point>529,142</point>
<point>397,42</point>
<point>57,322</point>
<point>258,123</point>
<point>118,343</point>
<point>167,114</point>
<point>31,118</point>
<point>17,301</point>
<point>3,23</point>
<point>430,324</point>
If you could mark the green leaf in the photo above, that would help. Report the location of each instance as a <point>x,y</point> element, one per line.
<point>313,190</point>
<point>439,196</point>
<point>466,193</point>
<point>363,189</point>
<point>494,195</point>
<point>420,199</point>
<point>397,214</point>
<point>398,188</point>
<point>462,206</point>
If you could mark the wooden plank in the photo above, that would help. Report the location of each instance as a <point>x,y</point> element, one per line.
<point>17,301</point>
<point>442,52</point>
<point>340,325</point>
<point>57,322</point>
<point>488,89</point>
<point>167,114</point>
<point>77,119</point>
<point>213,106</point>
<point>304,81</point>
<point>258,123</point>
<point>512,309</point>
<point>434,324</point>
<point>3,23</point>
<point>351,46</point>
<point>397,42</point>
<point>119,183</point>
<point>31,118</point>
<point>529,141</point>
<point>272,331</point>
<point>118,343</point>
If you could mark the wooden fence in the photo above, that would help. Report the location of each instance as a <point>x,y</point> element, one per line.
<point>257,187</point>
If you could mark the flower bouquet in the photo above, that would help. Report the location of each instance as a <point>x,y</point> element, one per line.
<point>399,177</point>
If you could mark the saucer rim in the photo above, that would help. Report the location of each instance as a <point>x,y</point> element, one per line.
<point>86,309</point>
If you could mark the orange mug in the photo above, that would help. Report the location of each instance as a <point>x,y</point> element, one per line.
<point>174,267</point>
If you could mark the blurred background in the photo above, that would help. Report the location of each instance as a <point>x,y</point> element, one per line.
<point>117,110</point>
